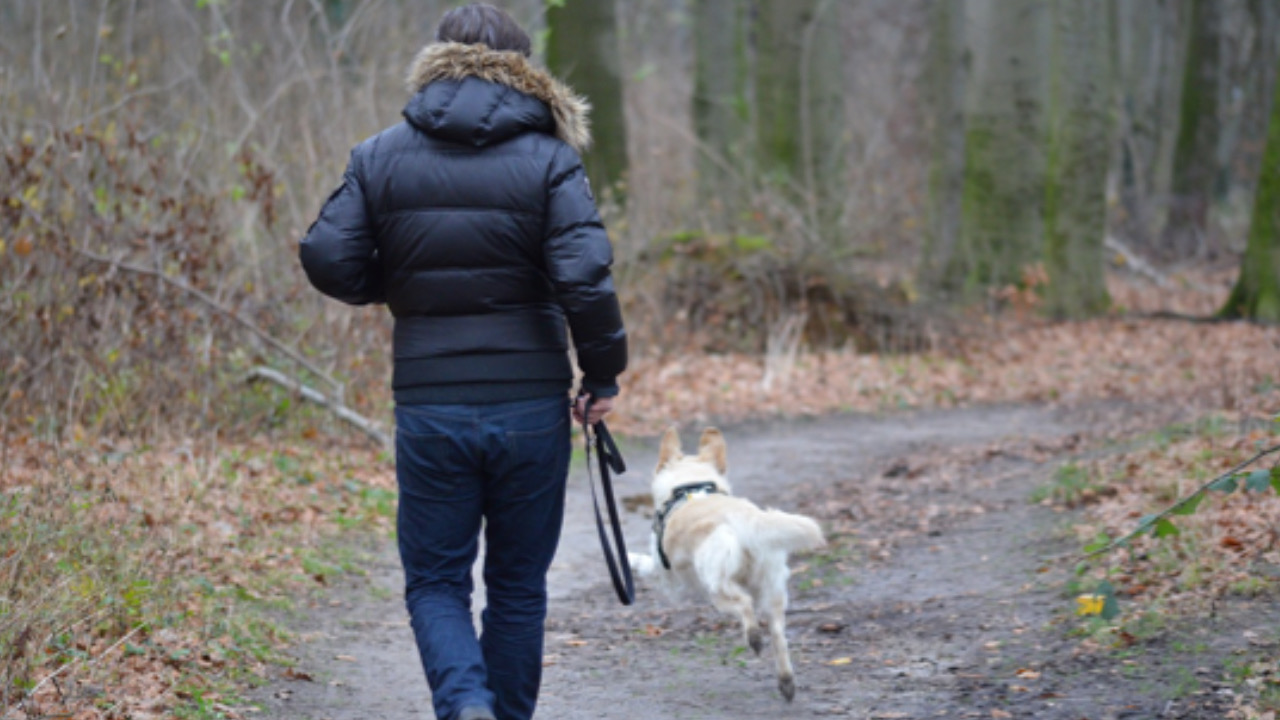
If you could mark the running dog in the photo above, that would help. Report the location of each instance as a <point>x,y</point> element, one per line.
<point>710,545</point>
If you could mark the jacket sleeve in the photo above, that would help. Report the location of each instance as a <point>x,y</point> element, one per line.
<point>578,258</point>
<point>339,252</point>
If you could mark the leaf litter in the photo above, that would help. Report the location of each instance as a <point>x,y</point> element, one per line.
<point>172,537</point>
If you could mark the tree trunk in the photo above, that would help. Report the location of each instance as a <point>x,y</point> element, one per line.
<point>721,102</point>
<point>945,81</point>
<point>582,49</point>
<point>1256,294</point>
<point>1151,39</point>
<point>1196,149</point>
<point>800,107</point>
<point>1000,225</point>
<point>1075,208</point>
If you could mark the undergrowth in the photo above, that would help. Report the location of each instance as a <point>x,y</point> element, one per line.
<point>145,582</point>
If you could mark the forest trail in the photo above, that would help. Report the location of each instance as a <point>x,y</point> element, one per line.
<point>956,620</point>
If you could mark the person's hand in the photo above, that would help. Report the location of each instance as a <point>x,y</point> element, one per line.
<point>599,408</point>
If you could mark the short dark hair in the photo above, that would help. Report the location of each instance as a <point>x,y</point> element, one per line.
<point>484,23</point>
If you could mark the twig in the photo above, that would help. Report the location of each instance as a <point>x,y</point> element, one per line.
<point>1140,266</point>
<point>213,303</point>
<point>117,263</point>
<point>32,693</point>
<point>1150,521</point>
<point>365,425</point>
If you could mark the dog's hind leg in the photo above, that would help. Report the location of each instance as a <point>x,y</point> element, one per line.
<point>717,563</point>
<point>776,612</point>
<point>734,600</point>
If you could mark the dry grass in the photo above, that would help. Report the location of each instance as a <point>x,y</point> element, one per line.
<point>142,582</point>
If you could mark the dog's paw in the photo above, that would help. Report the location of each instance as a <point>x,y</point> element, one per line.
<point>755,638</point>
<point>640,563</point>
<point>787,686</point>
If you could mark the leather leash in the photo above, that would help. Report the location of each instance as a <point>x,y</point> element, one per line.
<point>609,459</point>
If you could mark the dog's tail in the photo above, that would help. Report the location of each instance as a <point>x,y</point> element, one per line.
<point>789,532</point>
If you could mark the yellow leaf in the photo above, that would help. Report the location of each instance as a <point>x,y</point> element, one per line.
<point>1090,604</point>
<point>1,247</point>
<point>841,661</point>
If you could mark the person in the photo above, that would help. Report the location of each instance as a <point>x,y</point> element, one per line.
<point>474,222</point>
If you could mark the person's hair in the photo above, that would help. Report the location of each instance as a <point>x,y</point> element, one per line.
<point>484,23</point>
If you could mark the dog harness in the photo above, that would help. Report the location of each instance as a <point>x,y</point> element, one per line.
<point>679,496</point>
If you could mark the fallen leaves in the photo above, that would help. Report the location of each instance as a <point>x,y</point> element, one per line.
<point>167,541</point>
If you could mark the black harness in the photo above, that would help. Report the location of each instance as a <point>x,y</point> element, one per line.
<point>679,496</point>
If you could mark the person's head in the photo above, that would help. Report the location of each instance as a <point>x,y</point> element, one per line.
<point>484,23</point>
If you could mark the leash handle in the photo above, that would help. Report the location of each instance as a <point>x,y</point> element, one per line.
<point>609,459</point>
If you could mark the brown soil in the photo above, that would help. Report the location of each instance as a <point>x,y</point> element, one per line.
<point>942,596</point>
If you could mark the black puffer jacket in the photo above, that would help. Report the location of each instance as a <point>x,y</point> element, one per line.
<point>474,222</point>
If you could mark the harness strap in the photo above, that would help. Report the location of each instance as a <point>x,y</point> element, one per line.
<point>608,458</point>
<point>678,497</point>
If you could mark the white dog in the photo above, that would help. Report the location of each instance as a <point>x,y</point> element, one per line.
<point>721,548</point>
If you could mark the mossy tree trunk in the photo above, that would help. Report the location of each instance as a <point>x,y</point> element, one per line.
<point>945,79</point>
<point>722,102</point>
<point>582,49</point>
<point>1256,294</point>
<point>799,105</point>
<point>1195,153</point>
<point>1000,224</point>
<point>1075,207</point>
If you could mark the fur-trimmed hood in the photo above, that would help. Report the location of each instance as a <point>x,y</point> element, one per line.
<point>457,62</point>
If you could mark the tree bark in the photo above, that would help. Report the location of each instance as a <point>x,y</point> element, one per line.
<point>1150,57</point>
<point>1196,149</point>
<point>799,105</point>
<point>1256,294</point>
<point>1000,226</point>
<point>721,102</point>
<point>946,77</point>
<point>582,49</point>
<point>1079,154</point>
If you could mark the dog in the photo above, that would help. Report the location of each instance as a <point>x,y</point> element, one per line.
<point>709,545</point>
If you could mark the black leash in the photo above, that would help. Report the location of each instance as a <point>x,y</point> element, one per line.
<point>609,459</point>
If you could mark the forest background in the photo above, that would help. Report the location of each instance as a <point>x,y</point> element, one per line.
<point>816,206</point>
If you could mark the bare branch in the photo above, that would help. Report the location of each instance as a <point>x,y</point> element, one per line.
<point>360,422</point>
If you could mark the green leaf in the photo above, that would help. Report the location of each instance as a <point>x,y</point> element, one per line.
<point>1098,546</point>
<point>1190,506</point>
<point>1275,479</point>
<point>1145,524</point>
<point>1100,542</point>
<point>1164,529</point>
<point>1258,480</point>
<point>1110,606</point>
<point>1226,484</point>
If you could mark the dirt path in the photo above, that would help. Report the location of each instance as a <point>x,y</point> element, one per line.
<point>934,608</point>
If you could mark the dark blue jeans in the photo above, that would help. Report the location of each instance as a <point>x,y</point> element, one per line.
<point>457,465</point>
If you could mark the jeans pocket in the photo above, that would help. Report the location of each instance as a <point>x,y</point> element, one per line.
<point>540,455</point>
<point>427,465</point>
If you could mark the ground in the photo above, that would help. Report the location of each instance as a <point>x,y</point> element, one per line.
<point>944,594</point>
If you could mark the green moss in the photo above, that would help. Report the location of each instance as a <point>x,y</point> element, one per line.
<point>1256,294</point>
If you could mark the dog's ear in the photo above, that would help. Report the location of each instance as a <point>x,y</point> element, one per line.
<point>712,449</point>
<point>669,450</point>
